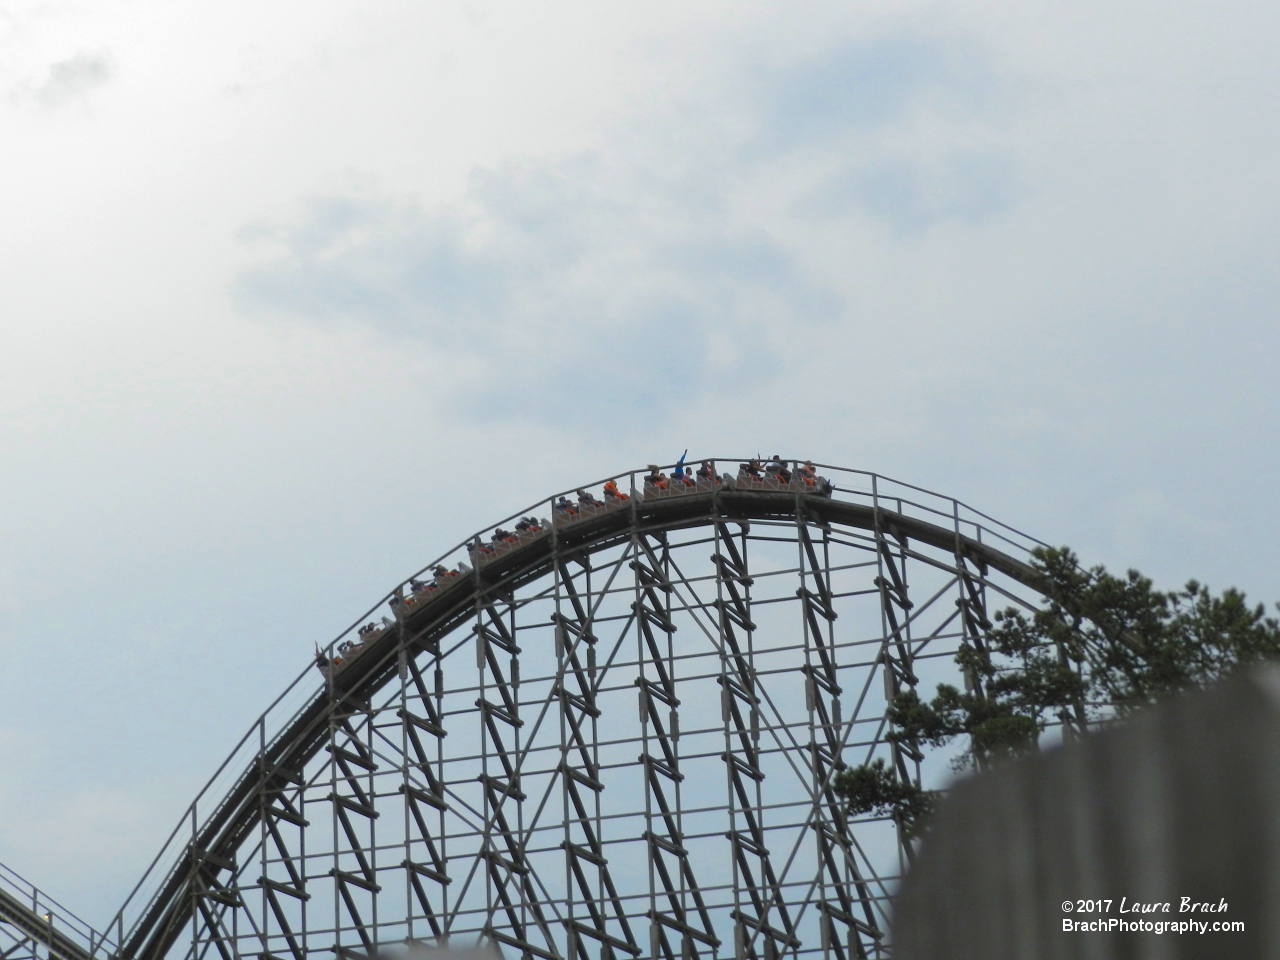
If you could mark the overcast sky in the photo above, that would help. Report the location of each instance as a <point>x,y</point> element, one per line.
<point>293,296</point>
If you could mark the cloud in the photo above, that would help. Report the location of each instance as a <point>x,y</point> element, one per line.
<point>863,85</point>
<point>904,125</point>
<point>557,282</point>
<point>676,260</point>
<point>911,196</point>
<point>74,79</point>
<point>379,262</point>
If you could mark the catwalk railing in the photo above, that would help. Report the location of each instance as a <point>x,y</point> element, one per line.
<point>34,926</point>
<point>646,590</point>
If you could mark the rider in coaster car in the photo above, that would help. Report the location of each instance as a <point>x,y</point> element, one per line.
<point>707,471</point>
<point>502,536</point>
<point>611,491</point>
<point>587,500</point>
<point>475,546</point>
<point>656,478</point>
<point>807,473</point>
<point>679,475</point>
<point>564,506</point>
<point>527,524</point>
<point>442,572</point>
<point>779,469</point>
<point>751,468</point>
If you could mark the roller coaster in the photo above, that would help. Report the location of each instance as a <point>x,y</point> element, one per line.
<point>609,732</point>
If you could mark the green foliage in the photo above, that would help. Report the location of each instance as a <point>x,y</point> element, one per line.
<point>1134,644</point>
<point>1016,683</point>
<point>1099,646</point>
<point>873,788</point>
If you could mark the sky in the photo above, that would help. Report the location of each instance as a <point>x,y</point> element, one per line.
<point>293,297</point>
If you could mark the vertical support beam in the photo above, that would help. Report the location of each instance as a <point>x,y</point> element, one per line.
<point>422,735</point>
<point>677,905</point>
<point>845,894</point>
<point>588,881</point>
<point>896,655</point>
<point>762,925</point>
<point>353,815</point>
<point>210,899</point>
<point>282,859</point>
<point>509,871</point>
<point>972,603</point>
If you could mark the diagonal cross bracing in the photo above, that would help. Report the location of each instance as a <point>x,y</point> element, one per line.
<point>589,879</point>
<point>529,800</point>
<point>677,907</point>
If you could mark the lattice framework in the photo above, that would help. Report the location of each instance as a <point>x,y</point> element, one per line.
<point>617,738</point>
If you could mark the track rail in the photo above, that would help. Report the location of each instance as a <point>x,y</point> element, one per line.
<point>281,758</point>
<point>34,918</point>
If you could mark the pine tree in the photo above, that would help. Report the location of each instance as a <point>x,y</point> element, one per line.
<point>1099,647</point>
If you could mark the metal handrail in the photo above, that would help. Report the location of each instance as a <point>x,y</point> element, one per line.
<point>884,493</point>
<point>59,929</point>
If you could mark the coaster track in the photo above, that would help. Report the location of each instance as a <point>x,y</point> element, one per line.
<point>469,769</point>
<point>34,926</point>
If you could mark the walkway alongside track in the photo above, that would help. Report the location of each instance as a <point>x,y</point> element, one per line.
<point>30,919</point>
<point>202,871</point>
<point>211,853</point>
